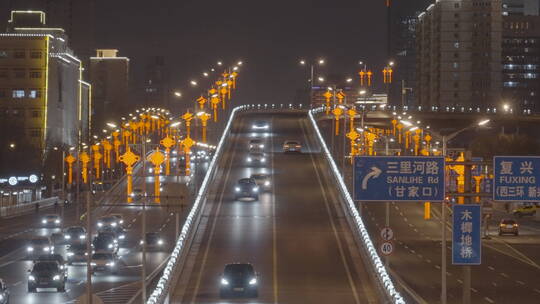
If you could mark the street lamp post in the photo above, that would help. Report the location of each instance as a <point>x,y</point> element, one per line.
<point>445,140</point>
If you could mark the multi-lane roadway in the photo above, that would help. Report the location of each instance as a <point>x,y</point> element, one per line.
<point>294,234</point>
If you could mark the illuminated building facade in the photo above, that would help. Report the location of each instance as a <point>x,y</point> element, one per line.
<point>44,101</point>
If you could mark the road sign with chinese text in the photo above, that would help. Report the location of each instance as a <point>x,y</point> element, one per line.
<point>412,179</point>
<point>517,178</point>
<point>466,241</point>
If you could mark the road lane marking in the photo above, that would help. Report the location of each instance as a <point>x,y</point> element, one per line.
<point>504,275</point>
<point>214,224</point>
<point>520,283</point>
<point>333,225</point>
<point>489,300</point>
<point>474,290</point>
<point>536,290</point>
<point>274,227</point>
<point>491,268</point>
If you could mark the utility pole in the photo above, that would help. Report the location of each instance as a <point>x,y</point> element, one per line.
<point>143,267</point>
<point>88,248</point>
<point>467,268</point>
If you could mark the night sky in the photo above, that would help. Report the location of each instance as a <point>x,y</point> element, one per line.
<point>270,36</point>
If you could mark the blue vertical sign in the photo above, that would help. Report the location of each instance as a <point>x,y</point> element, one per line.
<point>517,178</point>
<point>399,178</point>
<point>466,241</point>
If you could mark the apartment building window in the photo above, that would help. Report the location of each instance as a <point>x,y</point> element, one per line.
<point>4,112</point>
<point>3,93</point>
<point>34,93</point>
<point>35,54</point>
<point>3,54</point>
<point>456,5</point>
<point>4,73</point>
<point>17,93</point>
<point>19,73</point>
<point>36,114</point>
<point>35,74</point>
<point>19,54</point>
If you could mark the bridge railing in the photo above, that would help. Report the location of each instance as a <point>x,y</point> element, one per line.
<point>171,271</point>
<point>359,228</point>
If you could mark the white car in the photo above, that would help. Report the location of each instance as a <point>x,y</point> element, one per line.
<point>260,125</point>
<point>106,262</point>
<point>263,180</point>
<point>39,246</point>
<point>256,145</point>
<point>256,158</point>
<point>292,146</point>
<point>51,220</point>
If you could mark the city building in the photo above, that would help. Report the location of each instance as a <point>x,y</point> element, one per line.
<point>109,75</point>
<point>156,86</point>
<point>520,7</point>
<point>521,63</point>
<point>459,55</point>
<point>44,100</point>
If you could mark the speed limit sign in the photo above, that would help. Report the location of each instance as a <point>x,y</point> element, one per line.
<point>387,248</point>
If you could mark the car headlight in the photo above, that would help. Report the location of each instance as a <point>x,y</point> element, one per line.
<point>160,242</point>
<point>57,221</point>
<point>100,224</point>
<point>261,146</point>
<point>70,254</point>
<point>111,264</point>
<point>56,277</point>
<point>93,264</point>
<point>30,249</point>
<point>1,297</point>
<point>31,278</point>
<point>263,159</point>
<point>46,248</point>
<point>110,245</point>
<point>67,237</point>
<point>267,183</point>
<point>249,159</point>
<point>122,237</point>
<point>237,189</point>
<point>255,189</point>
<point>251,146</point>
<point>82,237</point>
<point>121,221</point>
<point>44,222</point>
<point>113,224</point>
<point>224,282</point>
<point>253,281</point>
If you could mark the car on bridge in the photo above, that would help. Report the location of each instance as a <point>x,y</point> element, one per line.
<point>292,146</point>
<point>51,220</point>
<point>154,241</point>
<point>77,253</point>
<point>55,257</point>
<point>508,226</point>
<point>47,274</point>
<point>4,293</point>
<point>263,180</point>
<point>106,262</point>
<point>39,246</point>
<point>117,232</point>
<point>108,221</point>
<point>105,243</point>
<point>260,126</point>
<point>239,279</point>
<point>256,158</point>
<point>256,145</point>
<point>74,235</point>
<point>246,188</point>
<point>137,194</point>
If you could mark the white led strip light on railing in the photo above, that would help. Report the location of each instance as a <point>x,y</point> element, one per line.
<point>380,270</point>
<point>164,280</point>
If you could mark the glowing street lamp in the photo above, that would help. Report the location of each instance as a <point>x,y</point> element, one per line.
<point>178,94</point>
<point>193,83</point>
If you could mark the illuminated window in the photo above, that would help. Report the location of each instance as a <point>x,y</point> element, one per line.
<point>18,94</point>
<point>3,54</point>
<point>34,93</point>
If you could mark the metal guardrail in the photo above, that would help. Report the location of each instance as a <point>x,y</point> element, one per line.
<point>163,286</point>
<point>12,211</point>
<point>378,266</point>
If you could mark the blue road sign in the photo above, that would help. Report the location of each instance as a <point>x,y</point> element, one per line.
<point>517,178</point>
<point>466,241</point>
<point>401,178</point>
